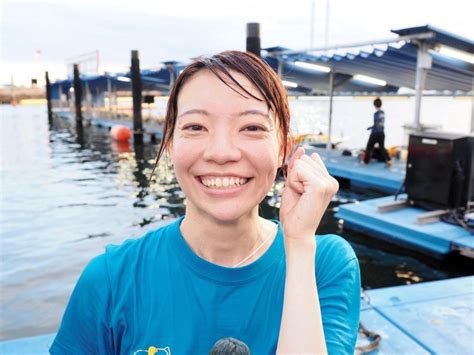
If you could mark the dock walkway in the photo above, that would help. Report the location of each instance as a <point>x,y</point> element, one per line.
<point>374,175</point>
<point>152,129</point>
<point>425,318</point>
<point>400,227</point>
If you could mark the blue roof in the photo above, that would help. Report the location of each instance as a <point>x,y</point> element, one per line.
<point>394,63</point>
<point>440,37</point>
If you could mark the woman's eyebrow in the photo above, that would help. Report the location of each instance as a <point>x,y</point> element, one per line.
<point>194,110</point>
<point>243,113</point>
<point>256,112</point>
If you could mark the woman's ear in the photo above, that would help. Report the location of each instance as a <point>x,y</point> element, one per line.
<point>288,146</point>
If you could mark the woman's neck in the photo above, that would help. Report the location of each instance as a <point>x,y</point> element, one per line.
<point>227,244</point>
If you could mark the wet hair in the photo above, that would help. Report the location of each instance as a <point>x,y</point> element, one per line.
<point>229,346</point>
<point>258,72</point>
<point>378,102</point>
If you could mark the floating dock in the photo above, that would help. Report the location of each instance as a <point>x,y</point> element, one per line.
<point>424,318</point>
<point>373,175</point>
<point>400,227</point>
<point>152,129</point>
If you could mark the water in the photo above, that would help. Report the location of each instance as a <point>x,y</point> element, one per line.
<point>66,193</point>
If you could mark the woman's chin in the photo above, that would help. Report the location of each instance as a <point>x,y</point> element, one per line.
<point>226,217</point>
<point>229,215</point>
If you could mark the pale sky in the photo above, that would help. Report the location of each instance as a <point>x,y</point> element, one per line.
<point>40,35</point>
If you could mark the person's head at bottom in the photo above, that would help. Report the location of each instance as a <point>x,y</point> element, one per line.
<point>228,346</point>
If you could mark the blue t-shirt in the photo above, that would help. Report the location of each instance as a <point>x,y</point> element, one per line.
<point>156,292</point>
<point>379,121</point>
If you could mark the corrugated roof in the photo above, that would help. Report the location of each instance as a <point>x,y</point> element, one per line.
<point>394,63</point>
<point>440,37</point>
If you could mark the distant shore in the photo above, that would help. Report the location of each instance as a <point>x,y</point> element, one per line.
<point>17,94</point>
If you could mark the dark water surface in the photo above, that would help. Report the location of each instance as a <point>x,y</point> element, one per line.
<point>67,192</point>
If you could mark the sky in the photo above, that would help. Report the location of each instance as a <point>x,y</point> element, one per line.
<point>43,35</point>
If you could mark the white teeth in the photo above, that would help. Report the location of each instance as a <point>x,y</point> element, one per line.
<point>225,182</point>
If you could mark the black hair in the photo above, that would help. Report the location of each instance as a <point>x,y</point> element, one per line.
<point>229,346</point>
<point>378,102</point>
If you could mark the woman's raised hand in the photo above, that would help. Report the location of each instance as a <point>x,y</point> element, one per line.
<point>307,193</point>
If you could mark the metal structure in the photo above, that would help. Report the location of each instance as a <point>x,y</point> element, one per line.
<point>414,59</point>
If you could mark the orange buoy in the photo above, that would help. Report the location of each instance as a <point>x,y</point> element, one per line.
<point>120,133</point>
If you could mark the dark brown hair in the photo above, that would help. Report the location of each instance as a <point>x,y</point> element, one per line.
<point>258,72</point>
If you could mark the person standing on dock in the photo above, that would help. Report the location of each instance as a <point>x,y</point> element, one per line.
<point>221,271</point>
<point>377,135</point>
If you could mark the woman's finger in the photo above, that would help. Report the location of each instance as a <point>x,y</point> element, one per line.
<point>311,173</point>
<point>299,152</point>
<point>317,158</point>
<point>316,166</point>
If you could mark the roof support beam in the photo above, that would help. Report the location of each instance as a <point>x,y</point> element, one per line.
<point>408,38</point>
<point>281,63</point>
<point>423,64</point>
<point>172,70</point>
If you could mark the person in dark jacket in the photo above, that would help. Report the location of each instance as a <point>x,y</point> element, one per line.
<point>377,134</point>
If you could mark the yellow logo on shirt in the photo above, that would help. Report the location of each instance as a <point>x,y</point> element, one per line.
<point>152,350</point>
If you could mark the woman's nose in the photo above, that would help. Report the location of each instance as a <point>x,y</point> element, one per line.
<point>222,148</point>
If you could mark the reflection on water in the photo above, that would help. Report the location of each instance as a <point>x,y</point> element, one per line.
<point>67,191</point>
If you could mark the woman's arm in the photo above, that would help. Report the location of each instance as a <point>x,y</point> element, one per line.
<point>301,329</point>
<point>308,191</point>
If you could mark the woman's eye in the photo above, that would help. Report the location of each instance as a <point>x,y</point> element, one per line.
<point>253,128</point>
<point>194,127</point>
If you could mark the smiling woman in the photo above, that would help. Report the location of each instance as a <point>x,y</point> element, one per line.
<point>221,271</point>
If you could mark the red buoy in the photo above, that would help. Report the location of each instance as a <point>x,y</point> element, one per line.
<point>120,133</point>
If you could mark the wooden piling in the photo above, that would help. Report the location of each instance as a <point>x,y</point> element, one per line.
<point>77,94</point>
<point>137,97</point>
<point>48,96</point>
<point>253,38</point>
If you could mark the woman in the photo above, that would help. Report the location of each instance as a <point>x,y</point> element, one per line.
<point>222,271</point>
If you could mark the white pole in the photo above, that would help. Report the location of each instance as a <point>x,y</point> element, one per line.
<point>423,64</point>
<point>331,95</point>
<point>311,34</point>
<point>326,31</point>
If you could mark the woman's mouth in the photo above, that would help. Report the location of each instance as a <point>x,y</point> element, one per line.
<point>222,182</point>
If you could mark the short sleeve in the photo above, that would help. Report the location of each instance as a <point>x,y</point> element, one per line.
<point>85,325</point>
<point>339,296</point>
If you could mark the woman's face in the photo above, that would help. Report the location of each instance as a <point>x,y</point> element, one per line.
<point>225,148</point>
